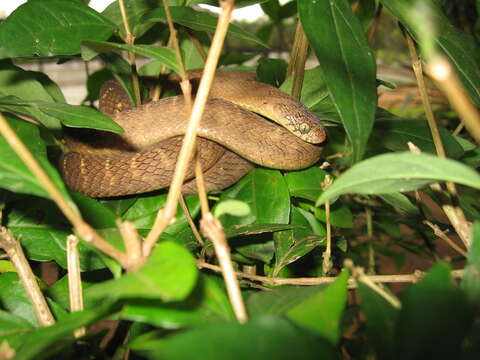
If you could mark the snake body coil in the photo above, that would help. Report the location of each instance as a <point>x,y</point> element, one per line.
<point>231,138</point>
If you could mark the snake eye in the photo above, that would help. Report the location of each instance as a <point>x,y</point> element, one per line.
<point>304,128</point>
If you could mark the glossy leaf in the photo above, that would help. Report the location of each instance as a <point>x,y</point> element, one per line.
<point>291,245</point>
<point>267,337</point>
<point>60,29</point>
<point>165,55</point>
<point>14,175</point>
<point>207,303</point>
<point>279,300</point>
<point>199,21</point>
<point>16,83</point>
<point>395,134</point>
<point>347,63</point>
<point>322,312</point>
<point>271,71</point>
<point>389,173</point>
<point>266,192</point>
<point>461,48</point>
<point>315,94</point>
<point>43,230</point>
<point>306,184</point>
<point>170,275</point>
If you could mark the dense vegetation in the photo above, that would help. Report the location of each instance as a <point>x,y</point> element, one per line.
<point>322,253</point>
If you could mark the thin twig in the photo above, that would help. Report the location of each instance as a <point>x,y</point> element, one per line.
<point>85,231</point>
<point>359,275</point>
<point>200,180</point>
<point>441,234</point>
<point>417,69</point>
<point>195,231</point>
<point>130,39</point>
<point>374,26</point>
<point>197,44</point>
<point>311,281</point>
<point>27,278</point>
<point>327,261</point>
<point>371,253</point>
<point>74,280</point>
<point>167,215</point>
<point>455,214</point>
<point>213,230</point>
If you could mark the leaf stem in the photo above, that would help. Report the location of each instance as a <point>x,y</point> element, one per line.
<point>130,39</point>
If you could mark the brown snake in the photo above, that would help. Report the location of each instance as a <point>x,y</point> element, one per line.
<point>230,138</point>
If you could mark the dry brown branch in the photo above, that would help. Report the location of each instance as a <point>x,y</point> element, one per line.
<point>327,261</point>
<point>447,80</point>
<point>167,215</point>
<point>442,235</point>
<point>213,230</point>
<point>195,231</point>
<point>133,244</point>
<point>85,231</point>
<point>311,281</point>
<point>74,280</point>
<point>298,60</point>
<point>130,39</point>
<point>454,214</point>
<point>27,278</point>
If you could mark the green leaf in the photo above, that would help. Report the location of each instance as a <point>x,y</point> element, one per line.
<point>381,318</point>
<point>207,303</point>
<point>400,201</point>
<point>389,173</point>
<point>14,298</point>
<point>272,9</point>
<point>279,300</point>
<point>231,207</point>
<point>252,229</point>
<point>322,312</point>
<point>291,245</point>
<point>15,176</point>
<point>266,338</point>
<point>43,231</point>
<point>80,117</point>
<point>60,29</point>
<point>143,212</point>
<point>461,48</point>
<point>306,184</point>
<point>434,309</point>
<point>165,55</point>
<point>198,21</point>
<point>266,192</point>
<point>395,134</point>
<point>471,278</point>
<point>315,94</point>
<point>44,342</point>
<point>347,63</point>
<point>16,83</point>
<point>271,71</point>
<point>170,275</point>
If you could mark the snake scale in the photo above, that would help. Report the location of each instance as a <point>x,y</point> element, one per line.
<point>231,138</point>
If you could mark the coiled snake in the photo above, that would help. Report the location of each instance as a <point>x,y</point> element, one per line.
<point>231,137</point>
